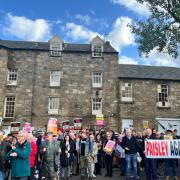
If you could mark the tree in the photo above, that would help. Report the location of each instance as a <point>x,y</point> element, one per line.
<point>161,30</point>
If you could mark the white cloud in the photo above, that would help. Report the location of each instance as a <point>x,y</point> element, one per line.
<point>78,32</point>
<point>121,34</point>
<point>27,29</point>
<point>161,59</point>
<point>127,60</point>
<point>133,5</point>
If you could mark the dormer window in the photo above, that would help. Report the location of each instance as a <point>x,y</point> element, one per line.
<point>55,49</point>
<point>97,45</point>
<point>56,45</point>
<point>97,51</point>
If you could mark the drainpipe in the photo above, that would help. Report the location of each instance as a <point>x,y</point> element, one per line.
<point>33,85</point>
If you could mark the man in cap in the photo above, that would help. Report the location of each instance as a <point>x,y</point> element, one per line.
<point>50,157</point>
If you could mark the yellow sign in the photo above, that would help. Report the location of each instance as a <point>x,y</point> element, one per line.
<point>145,124</point>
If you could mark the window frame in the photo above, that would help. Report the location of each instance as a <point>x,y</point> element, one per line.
<point>10,73</point>
<point>95,104</point>
<point>55,83</point>
<point>97,50</point>
<point>55,110</point>
<point>95,77</point>
<point>130,92</point>
<point>164,102</point>
<point>10,106</point>
<point>56,49</point>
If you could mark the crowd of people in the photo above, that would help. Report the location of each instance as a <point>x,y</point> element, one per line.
<point>42,155</point>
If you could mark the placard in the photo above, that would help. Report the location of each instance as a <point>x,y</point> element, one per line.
<point>15,127</point>
<point>109,147</point>
<point>77,123</point>
<point>66,125</point>
<point>162,149</point>
<point>52,125</point>
<point>100,119</point>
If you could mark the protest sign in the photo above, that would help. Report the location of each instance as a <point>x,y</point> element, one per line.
<point>77,123</point>
<point>15,127</point>
<point>52,125</point>
<point>66,125</point>
<point>162,149</point>
<point>100,119</point>
<point>119,151</point>
<point>109,147</point>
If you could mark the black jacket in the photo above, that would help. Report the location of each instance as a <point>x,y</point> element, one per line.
<point>65,160</point>
<point>4,149</point>
<point>131,144</point>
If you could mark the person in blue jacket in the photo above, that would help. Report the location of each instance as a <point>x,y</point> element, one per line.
<point>19,157</point>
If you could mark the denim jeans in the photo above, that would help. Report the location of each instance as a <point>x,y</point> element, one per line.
<point>151,168</point>
<point>1,175</point>
<point>168,165</point>
<point>129,158</point>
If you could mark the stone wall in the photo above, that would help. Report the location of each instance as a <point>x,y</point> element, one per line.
<point>75,91</point>
<point>144,107</point>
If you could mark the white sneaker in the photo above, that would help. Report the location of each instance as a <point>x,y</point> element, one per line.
<point>93,175</point>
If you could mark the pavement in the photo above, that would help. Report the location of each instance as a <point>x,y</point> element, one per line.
<point>116,176</point>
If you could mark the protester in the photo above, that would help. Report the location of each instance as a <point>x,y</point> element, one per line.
<point>20,158</point>
<point>84,153</point>
<point>4,149</point>
<point>150,163</point>
<point>98,164</point>
<point>108,156</point>
<point>32,155</point>
<point>90,153</point>
<point>66,157</point>
<point>50,158</point>
<point>130,145</point>
<point>83,162</point>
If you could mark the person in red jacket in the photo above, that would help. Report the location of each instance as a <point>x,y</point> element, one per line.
<point>32,155</point>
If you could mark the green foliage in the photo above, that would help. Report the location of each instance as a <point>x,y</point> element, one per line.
<point>161,31</point>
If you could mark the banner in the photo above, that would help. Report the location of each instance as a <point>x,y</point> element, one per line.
<point>77,123</point>
<point>162,149</point>
<point>109,147</point>
<point>100,120</point>
<point>52,125</point>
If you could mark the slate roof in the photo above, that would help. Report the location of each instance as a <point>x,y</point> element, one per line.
<point>148,72</point>
<point>45,46</point>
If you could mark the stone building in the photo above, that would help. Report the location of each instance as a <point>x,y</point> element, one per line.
<point>39,80</point>
<point>149,96</point>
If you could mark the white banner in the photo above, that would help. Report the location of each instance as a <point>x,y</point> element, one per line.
<point>162,149</point>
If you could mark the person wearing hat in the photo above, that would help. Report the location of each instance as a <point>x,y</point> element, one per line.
<point>50,160</point>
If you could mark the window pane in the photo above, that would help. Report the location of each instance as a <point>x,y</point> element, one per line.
<point>126,91</point>
<point>9,107</point>
<point>163,94</point>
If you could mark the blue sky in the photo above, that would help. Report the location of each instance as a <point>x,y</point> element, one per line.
<point>78,21</point>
